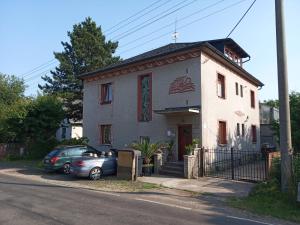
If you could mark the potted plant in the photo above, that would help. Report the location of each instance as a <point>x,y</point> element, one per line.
<point>196,142</point>
<point>147,150</point>
<point>170,146</point>
<point>189,149</point>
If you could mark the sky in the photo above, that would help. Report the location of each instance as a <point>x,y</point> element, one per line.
<point>31,30</point>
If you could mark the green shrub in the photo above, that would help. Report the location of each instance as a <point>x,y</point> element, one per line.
<point>75,141</point>
<point>40,148</point>
<point>11,157</point>
<point>275,169</point>
<point>296,168</point>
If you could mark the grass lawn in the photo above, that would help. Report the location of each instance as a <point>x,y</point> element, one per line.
<point>108,183</point>
<point>112,183</point>
<point>266,199</point>
<point>23,163</point>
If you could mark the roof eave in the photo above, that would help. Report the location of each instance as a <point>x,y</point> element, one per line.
<point>249,76</point>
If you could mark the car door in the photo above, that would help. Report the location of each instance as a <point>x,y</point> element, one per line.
<point>63,157</point>
<point>76,152</point>
<point>109,165</point>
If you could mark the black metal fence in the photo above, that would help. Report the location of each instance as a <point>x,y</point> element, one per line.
<point>230,163</point>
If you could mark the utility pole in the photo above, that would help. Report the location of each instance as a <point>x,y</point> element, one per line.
<point>284,106</point>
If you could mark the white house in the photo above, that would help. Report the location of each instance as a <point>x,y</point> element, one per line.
<point>69,129</point>
<point>179,91</point>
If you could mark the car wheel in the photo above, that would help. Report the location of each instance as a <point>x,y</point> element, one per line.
<point>95,173</point>
<point>66,168</point>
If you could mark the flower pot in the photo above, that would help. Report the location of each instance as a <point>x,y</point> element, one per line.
<point>147,169</point>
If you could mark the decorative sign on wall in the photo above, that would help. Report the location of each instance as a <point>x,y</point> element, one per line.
<point>181,84</point>
<point>239,113</point>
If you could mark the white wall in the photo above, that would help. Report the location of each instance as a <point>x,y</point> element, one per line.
<point>122,113</point>
<point>215,108</point>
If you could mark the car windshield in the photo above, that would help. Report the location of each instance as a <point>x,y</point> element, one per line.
<point>53,153</point>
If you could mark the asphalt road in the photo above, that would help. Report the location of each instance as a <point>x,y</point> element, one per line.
<point>29,202</point>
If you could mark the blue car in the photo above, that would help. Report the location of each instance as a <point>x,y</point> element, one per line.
<point>60,158</point>
<point>95,165</point>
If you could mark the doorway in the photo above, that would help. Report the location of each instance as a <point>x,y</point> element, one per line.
<point>184,138</point>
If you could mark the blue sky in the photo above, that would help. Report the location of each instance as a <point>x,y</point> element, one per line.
<point>30,31</point>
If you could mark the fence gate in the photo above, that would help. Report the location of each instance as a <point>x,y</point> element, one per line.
<point>228,163</point>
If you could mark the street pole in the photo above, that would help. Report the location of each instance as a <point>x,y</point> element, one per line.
<point>283,92</point>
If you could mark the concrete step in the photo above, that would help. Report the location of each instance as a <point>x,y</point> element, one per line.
<point>174,163</point>
<point>171,173</point>
<point>172,167</point>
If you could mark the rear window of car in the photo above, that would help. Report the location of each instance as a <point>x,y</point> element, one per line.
<point>76,151</point>
<point>53,153</point>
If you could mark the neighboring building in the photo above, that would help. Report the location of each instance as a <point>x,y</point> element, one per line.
<point>69,129</point>
<point>179,91</point>
<point>268,115</point>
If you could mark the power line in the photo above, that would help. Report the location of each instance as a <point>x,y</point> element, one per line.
<point>37,68</point>
<point>50,62</point>
<point>171,24</point>
<point>146,13</point>
<point>241,18</point>
<point>186,25</point>
<point>38,75</point>
<point>143,25</point>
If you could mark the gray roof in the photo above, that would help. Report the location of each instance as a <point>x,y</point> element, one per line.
<point>173,48</point>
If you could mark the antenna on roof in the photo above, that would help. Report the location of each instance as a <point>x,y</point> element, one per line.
<point>175,34</point>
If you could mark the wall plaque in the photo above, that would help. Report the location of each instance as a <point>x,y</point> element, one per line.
<point>181,84</point>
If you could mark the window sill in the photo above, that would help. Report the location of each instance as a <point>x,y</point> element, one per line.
<point>144,121</point>
<point>222,145</point>
<point>222,97</point>
<point>105,103</point>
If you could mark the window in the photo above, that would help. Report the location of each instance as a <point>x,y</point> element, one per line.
<point>63,132</point>
<point>236,88</point>
<point>222,133</point>
<point>105,134</point>
<point>242,90</point>
<point>252,96</point>
<point>243,129</point>
<point>221,86</point>
<point>238,131</point>
<point>253,133</point>
<point>144,98</point>
<point>76,151</point>
<point>106,93</point>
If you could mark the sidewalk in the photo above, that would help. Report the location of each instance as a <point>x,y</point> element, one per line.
<point>208,185</point>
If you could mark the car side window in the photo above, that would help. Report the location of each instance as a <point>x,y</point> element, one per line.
<point>63,154</point>
<point>76,151</point>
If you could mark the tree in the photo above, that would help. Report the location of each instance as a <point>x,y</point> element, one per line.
<point>295,119</point>
<point>43,118</point>
<point>12,106</point>
<point>87,51</point>
<point>44,115</point>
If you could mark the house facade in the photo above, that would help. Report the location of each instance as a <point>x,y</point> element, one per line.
<point>268,115</point>
<point>180,91</point>
<point>69,129</point>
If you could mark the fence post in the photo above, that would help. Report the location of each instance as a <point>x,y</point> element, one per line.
<point>201,162</point>
<point>232,163</point>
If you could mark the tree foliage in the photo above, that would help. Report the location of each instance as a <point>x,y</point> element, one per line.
<point>86,51</point>
<point>44,115</point>
<point>12,106</point>
<point>295,119</point>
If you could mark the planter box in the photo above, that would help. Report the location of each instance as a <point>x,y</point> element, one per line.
<point>147,169</point>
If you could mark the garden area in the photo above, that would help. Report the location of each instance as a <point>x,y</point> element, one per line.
<point>267,199</point>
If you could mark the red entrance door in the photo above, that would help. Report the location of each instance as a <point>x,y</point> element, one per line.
<point>184,139</point>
